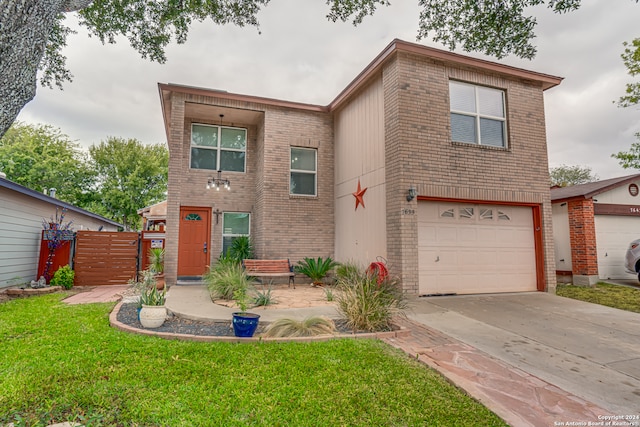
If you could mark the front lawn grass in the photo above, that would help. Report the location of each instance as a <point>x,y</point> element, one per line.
<point>64,363</point>
<point>615,296</point>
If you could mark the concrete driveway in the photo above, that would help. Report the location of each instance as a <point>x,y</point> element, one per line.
<point>589,350</point>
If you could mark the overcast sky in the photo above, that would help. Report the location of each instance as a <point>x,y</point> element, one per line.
<point>301,56</point>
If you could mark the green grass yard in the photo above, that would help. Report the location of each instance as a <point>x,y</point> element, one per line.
<point>64,363</point>
<point>615,296</point>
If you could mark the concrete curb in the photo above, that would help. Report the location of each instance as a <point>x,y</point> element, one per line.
<point>403,332</point>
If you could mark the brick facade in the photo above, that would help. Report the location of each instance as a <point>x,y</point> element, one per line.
<point>582,234</point>
<point>417,152</point>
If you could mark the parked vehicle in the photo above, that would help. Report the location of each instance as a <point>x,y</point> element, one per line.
<point>632,259</point>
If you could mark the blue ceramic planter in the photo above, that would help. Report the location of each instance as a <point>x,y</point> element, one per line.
<point>245,324</point>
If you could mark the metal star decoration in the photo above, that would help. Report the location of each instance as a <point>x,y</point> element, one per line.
<point>359,195</point>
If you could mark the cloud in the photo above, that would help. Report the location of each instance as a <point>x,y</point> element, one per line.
<point>298,55</point>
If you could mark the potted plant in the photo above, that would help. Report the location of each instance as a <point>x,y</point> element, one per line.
<point>156,265</point>
<point>315,270</point>
<point>244,323</point>
<point>153,312</point>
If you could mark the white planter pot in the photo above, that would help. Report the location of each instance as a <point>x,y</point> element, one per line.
<point>153,316</point>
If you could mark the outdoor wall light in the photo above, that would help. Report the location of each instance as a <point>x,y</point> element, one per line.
<point>412,193</point>
<point>218,182</point>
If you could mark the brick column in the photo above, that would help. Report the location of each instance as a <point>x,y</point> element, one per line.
<point>582,233</point>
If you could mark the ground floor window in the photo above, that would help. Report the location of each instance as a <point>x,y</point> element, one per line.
<point>234,225</point>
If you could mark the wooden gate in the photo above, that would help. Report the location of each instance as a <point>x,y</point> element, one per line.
<point>105,257</point>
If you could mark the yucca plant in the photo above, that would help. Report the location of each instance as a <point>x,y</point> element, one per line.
<point>314,269</point>
<point>226,279</point>
<point>241,248</point>
<point>369,304</point>
<point>309,327</point>
<point>156,260</point>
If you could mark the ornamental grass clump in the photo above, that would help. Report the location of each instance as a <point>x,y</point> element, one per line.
<point>367,303</point>
<point>308,327</point>
<point>227,279</point>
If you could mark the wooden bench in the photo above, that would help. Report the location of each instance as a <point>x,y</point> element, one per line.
<point>270,268</point>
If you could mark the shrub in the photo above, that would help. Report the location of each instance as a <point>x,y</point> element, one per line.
<point>63,277</point>
<point>152,296</point>
<point>156,260</point>
<point>263,298</point>
<point>316,270</point>
<point>347,271</point>
<point>329,294</point>
<point>241,248</point>
<point>367,303</point>
<point>225,279</point>
<point>311,326</point>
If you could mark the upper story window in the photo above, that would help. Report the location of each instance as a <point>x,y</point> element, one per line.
<point>478,115</point>
<point>218,148</point>
<point>303,171</point>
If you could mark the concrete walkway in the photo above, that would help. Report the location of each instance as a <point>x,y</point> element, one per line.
<point>534,359</point>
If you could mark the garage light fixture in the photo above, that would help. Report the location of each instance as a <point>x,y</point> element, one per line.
<point>218,182</point>
<point>412,193</point>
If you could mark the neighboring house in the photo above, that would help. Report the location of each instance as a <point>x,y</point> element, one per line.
<point>464,135</point>
<point>22,212</point>
<point>154,217</point>
<point>593,225</point>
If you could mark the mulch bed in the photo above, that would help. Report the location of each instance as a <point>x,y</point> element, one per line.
<point>128,315</point>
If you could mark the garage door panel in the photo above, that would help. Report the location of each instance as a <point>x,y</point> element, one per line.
<point>493,251</point>
<point>613,235</point>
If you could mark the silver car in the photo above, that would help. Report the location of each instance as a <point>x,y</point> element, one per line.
<point>632,259</point>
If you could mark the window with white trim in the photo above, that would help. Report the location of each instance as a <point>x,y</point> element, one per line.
<point>478,114</point>
<point>234,225</point>
<point>303,172</point>
<point>218,148</point>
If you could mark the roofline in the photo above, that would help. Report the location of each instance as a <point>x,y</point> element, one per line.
<point>548,81</point>
<point>6,183</point>
<point>192,90</point>
<point>628,180</point>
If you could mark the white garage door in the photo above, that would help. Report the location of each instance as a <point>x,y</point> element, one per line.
<point>470,248</point>
<point>613,235</point>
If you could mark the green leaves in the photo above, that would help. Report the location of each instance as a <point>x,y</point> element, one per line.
<point>631,60</point>
<point>315,269</point>
<point>564,175</point>
<point>42,157</point>
<point>131,176</point>
<point>151,25</point>
<point>630,159</point>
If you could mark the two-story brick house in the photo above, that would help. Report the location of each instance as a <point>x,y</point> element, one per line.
<point>465,136</point>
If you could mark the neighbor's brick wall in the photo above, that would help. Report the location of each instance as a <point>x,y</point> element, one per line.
<point>420,152</point>
<point>582,233</point>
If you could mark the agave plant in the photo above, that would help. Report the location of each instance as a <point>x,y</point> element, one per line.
<point>314,269</point>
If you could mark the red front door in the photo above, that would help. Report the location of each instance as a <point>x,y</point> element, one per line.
<point>194,241</point>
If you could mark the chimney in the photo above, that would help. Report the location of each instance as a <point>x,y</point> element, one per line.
<point>52,192</point>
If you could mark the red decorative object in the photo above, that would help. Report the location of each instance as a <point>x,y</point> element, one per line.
<point>359,195</point>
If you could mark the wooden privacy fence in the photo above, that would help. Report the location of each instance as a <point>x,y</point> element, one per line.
<point>105,257</point>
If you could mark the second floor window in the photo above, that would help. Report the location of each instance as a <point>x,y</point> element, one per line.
<point>477,115</point>
<point>303,171</point>
<point>218,148</point>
